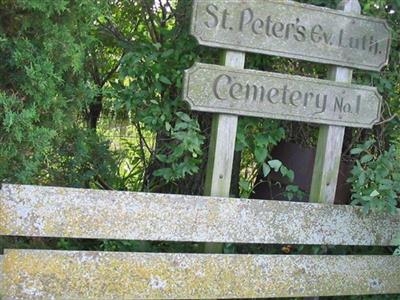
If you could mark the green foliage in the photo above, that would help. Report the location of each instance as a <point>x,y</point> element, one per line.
<point>397,241</point>
<point>130,159</point>
<point>43,91</point>
<point>255,139</point>
<point>375,178</point>
<point>293,191</point>
<point>258,136</point>
<point>81,160</point>
<point>181,157</point>
<point>147,90</point>
<point>388,80</point>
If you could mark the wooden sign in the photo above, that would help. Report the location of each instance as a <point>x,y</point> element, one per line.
<point>221,89</point>
<point>293,30</point>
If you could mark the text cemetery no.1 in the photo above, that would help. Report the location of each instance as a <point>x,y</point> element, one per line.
<point>294,30</point>
<point>222,89</point>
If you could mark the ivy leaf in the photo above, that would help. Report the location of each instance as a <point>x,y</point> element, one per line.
<point>266,169</point>
<point>165,80</point>
<point>262,139</point>
<point>245,185</point>
<point>284,171</point>
<point>365,208</point>
<point>261,154</point>
<point>366,158</point>
<point>167,53</point>
<point>374,193</point>
<point>275,164</point>
<point>184,117</point>
<point>356,151</point>
<point>369,143</point>
<point>290,175</point>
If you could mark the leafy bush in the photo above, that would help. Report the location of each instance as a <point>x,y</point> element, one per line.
<point>375,178</point>
<point>255,139</point>
<point>43,91</point>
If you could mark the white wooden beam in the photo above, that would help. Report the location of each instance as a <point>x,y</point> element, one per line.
<point>82,213</point>
<point>33,274</point>
<point>222,148</point>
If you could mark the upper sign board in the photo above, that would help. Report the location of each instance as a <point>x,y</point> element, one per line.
<point>221,89</point>
<point>293,30</point>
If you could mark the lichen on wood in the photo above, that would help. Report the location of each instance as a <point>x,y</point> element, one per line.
<point>45,274</point>
<point>82,213</point>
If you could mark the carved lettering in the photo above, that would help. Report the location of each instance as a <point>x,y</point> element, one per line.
<point>211,10</point>
<point>250,92</point>
<point>219,81</point>
<point>316,33</point>
<point>268,26</point>
<point>255,93</point>
<point>257,27</point>
<point>247,92</point>
<point>225,15</point>
<point>236,90</point>
<point>271,94</point>
<point>277,29</point>
<point>294,97</point>
<point>338,104</point>
<point>300,35</point>
<point>274,28</point>
<point>321,101</point>
<point>245,18</point>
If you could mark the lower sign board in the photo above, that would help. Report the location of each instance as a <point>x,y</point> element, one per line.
<point>220,89</point>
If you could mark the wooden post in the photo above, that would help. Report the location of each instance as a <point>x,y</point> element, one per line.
<point>222,148</point>
<point>330,139</point>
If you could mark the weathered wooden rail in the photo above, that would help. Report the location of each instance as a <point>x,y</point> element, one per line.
<point>78,213</point>
<point>101,275</point>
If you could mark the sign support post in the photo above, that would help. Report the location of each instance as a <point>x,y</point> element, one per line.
<point>222,148</point>
<point>330,140</point>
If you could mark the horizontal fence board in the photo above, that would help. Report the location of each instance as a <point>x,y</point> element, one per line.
<point>45,274</point>
<point>83,213</point>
